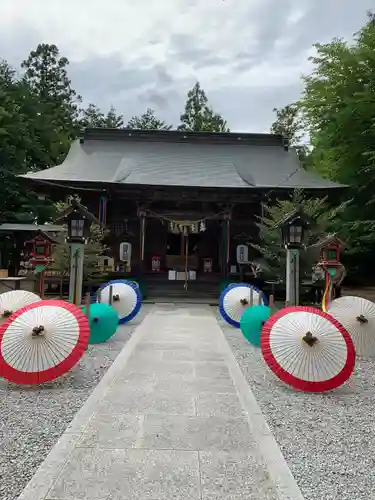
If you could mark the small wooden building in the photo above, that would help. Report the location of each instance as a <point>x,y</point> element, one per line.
<point>177,204</point>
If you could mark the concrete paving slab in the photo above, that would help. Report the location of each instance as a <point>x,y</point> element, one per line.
<point>206,355</point>
<point>237,476</point>
<point>175,432</point>
<point>94,473</point>
<point>218,404</point>
<point>193,384</point>
<point>142,401</point>
<point>173,418</point>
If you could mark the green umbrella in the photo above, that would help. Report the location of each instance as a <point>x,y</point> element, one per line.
<point>252,321</point>
<point>103,320</point>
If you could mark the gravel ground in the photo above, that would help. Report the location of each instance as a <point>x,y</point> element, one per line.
<point>33,418</point>
<point>328,439</point>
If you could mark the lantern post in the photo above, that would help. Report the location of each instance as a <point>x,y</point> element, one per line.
<point>292,230</point>
<point>78,220</point>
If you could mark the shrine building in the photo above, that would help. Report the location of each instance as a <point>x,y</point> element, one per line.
<point>180,207</point>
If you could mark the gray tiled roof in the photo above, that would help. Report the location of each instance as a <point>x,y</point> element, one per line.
<point>47,228</point>
<point>182,164</point>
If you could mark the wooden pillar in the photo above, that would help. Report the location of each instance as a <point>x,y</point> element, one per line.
<point>142,235</point>
<point>225,246</point>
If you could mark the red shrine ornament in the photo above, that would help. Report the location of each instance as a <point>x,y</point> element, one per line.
<point>41,249</point>
<point>330,249</point>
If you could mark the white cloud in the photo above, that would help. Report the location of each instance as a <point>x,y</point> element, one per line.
<point>133,54</point>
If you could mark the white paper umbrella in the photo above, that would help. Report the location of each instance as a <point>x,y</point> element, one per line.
<point>15,299</point>
<point>236,298</point>
<point>42,341</point>
<point>126,298</point>
<point>357,315</point>
<point>308,349</point>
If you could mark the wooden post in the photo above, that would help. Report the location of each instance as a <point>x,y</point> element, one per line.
<point>142,235</point>
<point>61,285</point>
<point>110,295</point>
<point>272,301</point>
<point>87,304</point>
<point>41,284</point>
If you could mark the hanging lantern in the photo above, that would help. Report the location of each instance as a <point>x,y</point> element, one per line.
<point>293,228</point>
<point>171,227</point>
<point>185,230</point>
<point>193,228</point>
<point>202,226</point>
<point>79,221</point>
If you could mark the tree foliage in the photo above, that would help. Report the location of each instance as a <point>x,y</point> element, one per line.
<point>19,145</point>
<point>93,117</point>
<point>289,124</point>
<point>198,115</point>
<point>148,121</point>
<point>321,217</point>
<point>56,102</point>
<point>338,106</point>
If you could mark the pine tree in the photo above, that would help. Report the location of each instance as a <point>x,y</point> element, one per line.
<point>199,116</point>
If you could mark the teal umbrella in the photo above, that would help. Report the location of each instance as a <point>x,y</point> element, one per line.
<point>103,320</point>
<point>252,321</point>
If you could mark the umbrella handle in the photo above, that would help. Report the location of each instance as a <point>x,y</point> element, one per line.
<point>310,339</point>
<point>361,319</point>
<point>37,331</point>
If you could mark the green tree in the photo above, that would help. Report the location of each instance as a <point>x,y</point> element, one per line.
<point>113,120</point>
<point>93,117</point>
<point>56,105</point>
<point>322,218</point>
<point>199,116</point>
<point>338,104</point>
<point>147,121</point>
<point>17,202</point>
<point>289,124</point>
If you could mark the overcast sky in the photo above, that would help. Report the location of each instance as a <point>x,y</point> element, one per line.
<point>247,54</point>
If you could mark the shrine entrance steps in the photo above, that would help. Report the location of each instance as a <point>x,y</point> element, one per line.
<point>173,418</point>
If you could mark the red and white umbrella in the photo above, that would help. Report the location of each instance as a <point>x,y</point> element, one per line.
<point>357,315</point>
<point>42,341</point>
<point>308,349</point>
<point>15,299</point>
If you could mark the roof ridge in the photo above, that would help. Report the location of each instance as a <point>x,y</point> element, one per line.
<point>126,134</point>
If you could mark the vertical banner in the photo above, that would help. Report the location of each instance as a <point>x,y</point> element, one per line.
<point>103,210</point>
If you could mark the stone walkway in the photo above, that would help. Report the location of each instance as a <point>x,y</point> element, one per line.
<point>173,418</point>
